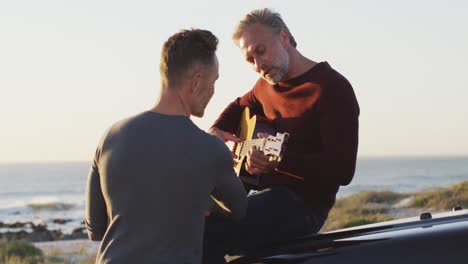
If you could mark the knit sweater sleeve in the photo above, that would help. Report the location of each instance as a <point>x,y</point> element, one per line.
<point>96,211</point>
<point>229,119</point>
<point>228,198</point>
<point>335,164</point>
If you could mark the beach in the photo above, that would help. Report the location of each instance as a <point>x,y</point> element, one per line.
<point>358,209</point>
<point>44,203</point>
<point>70,251</point>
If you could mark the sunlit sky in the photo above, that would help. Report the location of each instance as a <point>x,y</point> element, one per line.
<point>69,69</point>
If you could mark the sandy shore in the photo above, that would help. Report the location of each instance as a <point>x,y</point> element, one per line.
<point>75,251</point>
<point>71,251</point>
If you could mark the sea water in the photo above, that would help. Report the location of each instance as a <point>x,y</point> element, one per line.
<point>43,193</point>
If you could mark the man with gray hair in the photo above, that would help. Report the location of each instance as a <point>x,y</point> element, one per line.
<point>156,175</point>
<point>317,107</point>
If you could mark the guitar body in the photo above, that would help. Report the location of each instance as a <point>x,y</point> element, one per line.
<point>248,130</point>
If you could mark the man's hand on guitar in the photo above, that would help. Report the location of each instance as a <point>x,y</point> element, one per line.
<point>258,162</point>
<point>223,135</point>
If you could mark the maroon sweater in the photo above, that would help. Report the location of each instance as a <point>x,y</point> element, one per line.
<point>320,112</point>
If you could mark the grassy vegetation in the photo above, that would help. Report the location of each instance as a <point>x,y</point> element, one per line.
<point>372,207</point>
<point>24,252</point>
<point>81,256</point>
<point>19,252</point>
<point>443,199</point>
<point>359,209</point>
<point>51,206</point>
<point>362,208</point>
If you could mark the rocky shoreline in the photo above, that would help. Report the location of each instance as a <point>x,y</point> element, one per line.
<point>39,232</point>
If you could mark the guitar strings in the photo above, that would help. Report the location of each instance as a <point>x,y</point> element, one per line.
<point>248,144</point>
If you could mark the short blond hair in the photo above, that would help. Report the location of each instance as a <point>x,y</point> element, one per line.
<point>184,49</point>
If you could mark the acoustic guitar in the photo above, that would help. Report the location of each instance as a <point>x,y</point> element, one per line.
<point>272,146</point>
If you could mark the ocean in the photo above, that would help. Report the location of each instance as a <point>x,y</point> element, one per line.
<point>43,193</point>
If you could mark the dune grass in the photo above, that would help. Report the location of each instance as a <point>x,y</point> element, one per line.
<point>19,252</point>
<point>57,206</point>
<point>359,209</point>
<point>24,252</point>
<point>371,206</point>
<point>443,198</point>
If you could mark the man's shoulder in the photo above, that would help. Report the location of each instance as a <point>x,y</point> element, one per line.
<point>261,84</point>
<point>337,88</point>
<point>212,143</point>
<point>210,151</point>
<point>116,127</point>
<point>126,121</point>
<point>331,75</point>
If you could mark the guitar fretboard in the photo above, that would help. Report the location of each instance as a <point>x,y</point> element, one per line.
<point>241,148</point>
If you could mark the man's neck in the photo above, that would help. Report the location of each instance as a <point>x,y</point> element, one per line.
<point>171,103</point>
<point>298,64</point>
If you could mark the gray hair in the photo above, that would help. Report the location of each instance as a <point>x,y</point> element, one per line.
<point>264,17</point>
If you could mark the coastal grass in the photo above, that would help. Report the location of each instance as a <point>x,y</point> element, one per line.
<point>80,256</point>
<point>443,198</point>
<point>57,206</point>
<point>19,252</point>
<point>362,208</point>
<point>24,252</point>
<point>370,207</point>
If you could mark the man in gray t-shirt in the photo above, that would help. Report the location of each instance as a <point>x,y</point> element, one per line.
<point>156,175</point>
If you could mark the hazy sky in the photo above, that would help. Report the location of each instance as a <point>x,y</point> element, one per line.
<point>69,69</point>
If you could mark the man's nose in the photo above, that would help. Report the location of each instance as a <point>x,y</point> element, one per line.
<point>259,65</point>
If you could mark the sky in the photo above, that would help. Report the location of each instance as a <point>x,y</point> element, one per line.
<point>69,69</point>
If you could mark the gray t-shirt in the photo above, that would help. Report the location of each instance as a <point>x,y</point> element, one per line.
<point>149,188</point>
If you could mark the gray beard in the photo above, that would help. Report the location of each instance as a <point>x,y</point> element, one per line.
<point>278,77</point>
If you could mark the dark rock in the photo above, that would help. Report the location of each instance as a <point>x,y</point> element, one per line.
<point>79,230</point>
<point>46,235</point>
<point>16,225</point>
<point>78,233</point>
<point>14,235</point>
<point>40,232</point>
<point>39,228</point>
<point>61,221</point>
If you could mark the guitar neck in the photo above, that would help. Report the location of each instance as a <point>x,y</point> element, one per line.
<point>241,148</point>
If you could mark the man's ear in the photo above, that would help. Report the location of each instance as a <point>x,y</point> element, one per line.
<point>284,36</point>
<point>195,82</point>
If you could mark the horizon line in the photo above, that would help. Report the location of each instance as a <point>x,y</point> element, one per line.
<point>363,157</point>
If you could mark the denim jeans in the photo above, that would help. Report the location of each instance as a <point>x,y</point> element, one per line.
<point>273,215</point>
